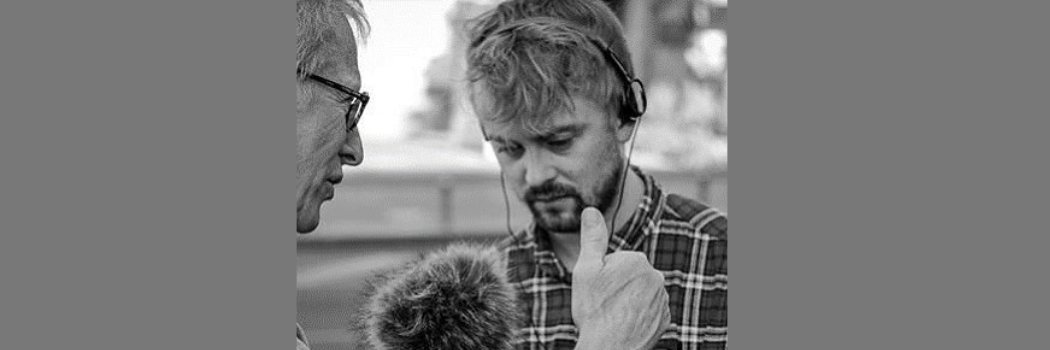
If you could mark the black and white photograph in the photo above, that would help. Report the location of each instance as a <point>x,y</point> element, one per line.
<point>522,175</point>
<point>512,174</point>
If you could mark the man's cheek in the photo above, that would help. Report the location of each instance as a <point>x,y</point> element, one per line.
<point>519,189</point>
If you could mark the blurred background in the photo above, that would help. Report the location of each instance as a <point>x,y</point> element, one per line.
<point>429,178</point>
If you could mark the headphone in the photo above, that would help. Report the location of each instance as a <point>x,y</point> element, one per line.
<point>634,101</point>
<point>631,111</point>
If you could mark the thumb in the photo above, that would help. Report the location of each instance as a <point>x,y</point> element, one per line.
<point>594,240</point>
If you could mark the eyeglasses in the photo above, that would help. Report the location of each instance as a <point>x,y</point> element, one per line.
<point>355,110</point>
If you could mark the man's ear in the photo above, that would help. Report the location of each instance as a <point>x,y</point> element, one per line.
<point>624,129</point>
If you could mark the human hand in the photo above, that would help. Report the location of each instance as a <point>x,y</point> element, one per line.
<point>618,300</point>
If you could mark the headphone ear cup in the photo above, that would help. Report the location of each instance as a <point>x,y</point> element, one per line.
<point>634,103</point>
<point>628,112</point>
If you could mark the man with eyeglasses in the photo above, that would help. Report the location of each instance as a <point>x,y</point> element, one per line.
<point>328,106</point>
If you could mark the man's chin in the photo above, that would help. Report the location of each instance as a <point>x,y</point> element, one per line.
<point>308,216</point>
<point>561,215</point>
<point>307,222</point>
<point>559,223</point>
<point>303,229</point>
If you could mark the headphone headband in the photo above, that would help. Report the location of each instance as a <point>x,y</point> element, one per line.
<point>634,101</point>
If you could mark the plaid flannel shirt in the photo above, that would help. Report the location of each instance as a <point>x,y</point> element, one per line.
<point>683,239</point>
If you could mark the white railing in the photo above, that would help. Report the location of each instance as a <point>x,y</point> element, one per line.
<point>443,204</point>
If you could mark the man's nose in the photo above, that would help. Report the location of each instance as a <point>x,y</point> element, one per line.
<point>538,169</point>
<point>352,153</point>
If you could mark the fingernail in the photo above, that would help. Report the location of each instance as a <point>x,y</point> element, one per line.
<point>590,217</point>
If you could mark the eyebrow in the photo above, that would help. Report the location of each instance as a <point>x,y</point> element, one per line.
<point>574,129</point>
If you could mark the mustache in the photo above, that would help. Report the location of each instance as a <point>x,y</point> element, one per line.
<point>548,191</point>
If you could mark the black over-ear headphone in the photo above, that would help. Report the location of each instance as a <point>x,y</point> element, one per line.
<point>634,100</point>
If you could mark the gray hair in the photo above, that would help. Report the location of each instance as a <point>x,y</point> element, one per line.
<point>317,18</point>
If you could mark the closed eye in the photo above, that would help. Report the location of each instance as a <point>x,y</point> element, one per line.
<point>510,150</point>
<point>560,144</point>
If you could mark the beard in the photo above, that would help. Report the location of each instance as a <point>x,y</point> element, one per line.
<point>558,207</point>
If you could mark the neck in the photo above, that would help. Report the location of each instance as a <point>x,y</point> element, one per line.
<point>566,245</point>
<point>633,190</point>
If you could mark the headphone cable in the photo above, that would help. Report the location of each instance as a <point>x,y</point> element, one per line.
<point>624,174</point>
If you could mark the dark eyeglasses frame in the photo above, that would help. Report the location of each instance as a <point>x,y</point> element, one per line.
<point>352,113</point>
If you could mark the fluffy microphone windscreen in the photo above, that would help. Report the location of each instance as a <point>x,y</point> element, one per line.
<point>455,298</point>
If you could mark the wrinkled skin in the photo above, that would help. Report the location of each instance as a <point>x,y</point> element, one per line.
<point>323,143</point>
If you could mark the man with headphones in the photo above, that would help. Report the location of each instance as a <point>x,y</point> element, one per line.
<point>552,84</point>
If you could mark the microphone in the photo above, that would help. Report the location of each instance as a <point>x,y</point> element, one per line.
<point>455,298</point>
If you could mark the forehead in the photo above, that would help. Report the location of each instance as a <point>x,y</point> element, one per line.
<point>582,114</point>
<point>339,55</point>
